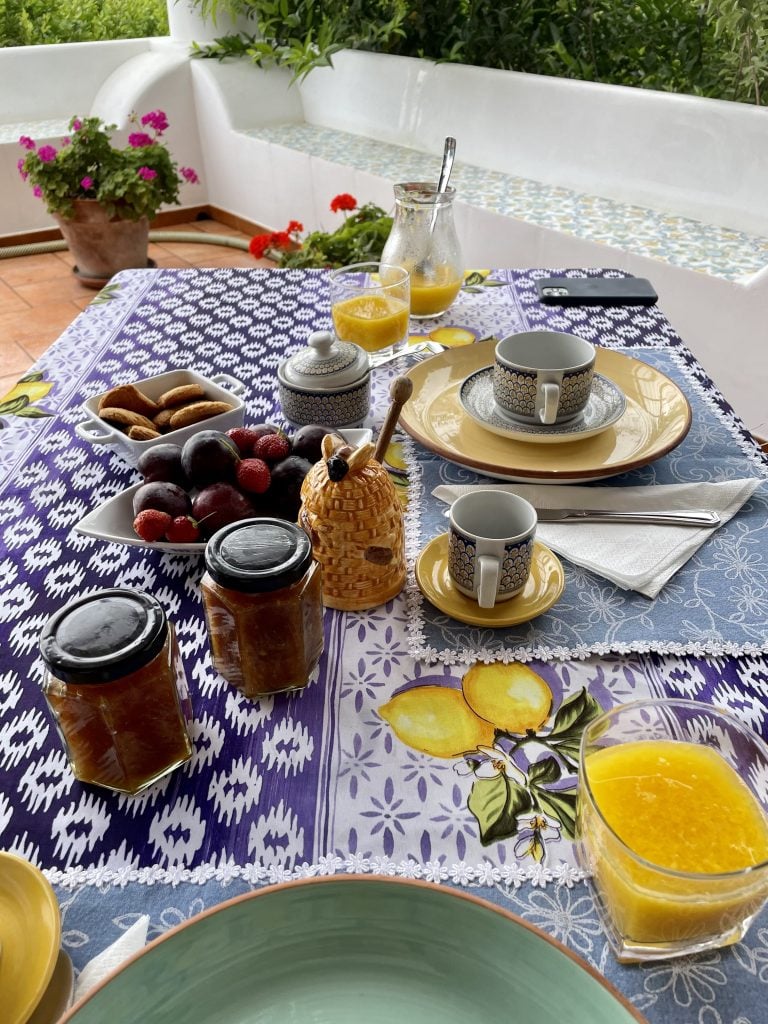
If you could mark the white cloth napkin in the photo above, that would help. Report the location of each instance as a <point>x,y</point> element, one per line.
<point>633,556</point>
<point>130,942</point>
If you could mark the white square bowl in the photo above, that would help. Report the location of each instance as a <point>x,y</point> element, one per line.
<point>220,388</point>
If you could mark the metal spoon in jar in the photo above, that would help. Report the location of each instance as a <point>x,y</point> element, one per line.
<point>449,152</point>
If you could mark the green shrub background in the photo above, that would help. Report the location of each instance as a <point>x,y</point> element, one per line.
<point>715,48</point>
<point>31,22</point>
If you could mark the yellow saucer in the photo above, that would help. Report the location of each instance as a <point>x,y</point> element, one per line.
<point>544,587</point>
<point>30,933</point>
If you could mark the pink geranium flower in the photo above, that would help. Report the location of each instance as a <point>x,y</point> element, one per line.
<point>156,119</point>
<point>86,183</point>
<point>47,153</point>
<point>77,124</point>
<point>27,143</point>
<point>139,139</point>
<point>20,165</point>
<point>147,173</point>
<point>37,191</point>
<point>190,175</point>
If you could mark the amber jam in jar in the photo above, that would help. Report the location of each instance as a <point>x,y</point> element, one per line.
<point>262,594</point>
<point>116,686</point>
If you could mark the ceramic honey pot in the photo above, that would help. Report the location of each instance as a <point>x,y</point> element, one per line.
<point>354,518</point>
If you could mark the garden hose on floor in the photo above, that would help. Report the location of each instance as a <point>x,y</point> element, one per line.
<point>200,238</point>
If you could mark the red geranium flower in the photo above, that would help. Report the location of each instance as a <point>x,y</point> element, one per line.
<point>294,227</point>
<point>343,202</point>
<point>281,239</point>
<point>258,245</point>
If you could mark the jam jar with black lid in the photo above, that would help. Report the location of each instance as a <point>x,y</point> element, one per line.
<point>262,594</point>
<point>116,687</point>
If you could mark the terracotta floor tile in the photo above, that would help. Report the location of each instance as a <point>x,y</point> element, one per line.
<point>227,258</point>
<point>32,269</point>
<point>214,227</point>
<point>39,327</point>
<point>11,301</point>
<point>13,359</point>
<point>169,260</point>
<point>58,289</point>
<point>65,256</point>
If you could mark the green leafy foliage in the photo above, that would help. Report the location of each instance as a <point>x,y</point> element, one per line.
<point>34,22</point>
<point>717,48</point>
<point>360,239</point>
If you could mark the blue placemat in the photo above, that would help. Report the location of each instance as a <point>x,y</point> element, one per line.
<point>716,604</point>
<point>720,986</point>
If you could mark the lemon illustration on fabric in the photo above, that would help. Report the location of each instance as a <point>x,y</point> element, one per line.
<point>511,697</point>
<point>452,337</point>
<point>20,400</point>
<point>436,720</point>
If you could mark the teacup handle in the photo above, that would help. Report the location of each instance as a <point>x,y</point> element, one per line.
<point>488,571</point>
<point>547,401</point>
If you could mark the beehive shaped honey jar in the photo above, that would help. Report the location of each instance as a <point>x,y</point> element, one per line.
<point>354,519</point>
<point>351,511</point>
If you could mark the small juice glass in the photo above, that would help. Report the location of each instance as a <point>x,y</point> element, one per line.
<point>672,826</point>
<point>370,304</point>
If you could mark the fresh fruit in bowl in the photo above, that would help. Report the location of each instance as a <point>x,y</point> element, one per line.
<point>216,478</point>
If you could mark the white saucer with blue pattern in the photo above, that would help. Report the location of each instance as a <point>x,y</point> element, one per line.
<point>605,406</point>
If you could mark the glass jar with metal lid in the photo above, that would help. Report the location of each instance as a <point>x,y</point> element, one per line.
<point>262,594</point>
<point>117,690</point>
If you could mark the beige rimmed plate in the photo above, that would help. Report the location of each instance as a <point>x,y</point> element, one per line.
<point>544,587</point>
<point>655,421</point>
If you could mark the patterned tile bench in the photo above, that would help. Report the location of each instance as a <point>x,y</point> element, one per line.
<point>680,241</point>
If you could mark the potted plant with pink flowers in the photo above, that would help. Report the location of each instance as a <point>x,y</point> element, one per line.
<point>103,196</point>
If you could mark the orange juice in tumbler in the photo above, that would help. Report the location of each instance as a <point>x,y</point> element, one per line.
<point>671,832</point>
<point>371,321</point>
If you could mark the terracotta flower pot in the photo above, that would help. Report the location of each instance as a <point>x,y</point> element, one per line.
<point>101,246</point>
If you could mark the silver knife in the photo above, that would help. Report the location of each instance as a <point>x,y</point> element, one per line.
<point>682,517</point>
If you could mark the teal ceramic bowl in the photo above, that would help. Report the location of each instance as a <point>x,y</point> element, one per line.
<point>355,948</point>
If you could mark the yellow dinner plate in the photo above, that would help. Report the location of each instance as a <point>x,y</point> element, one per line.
<point>544,587</point>
<point>30,932</point>
<point>656,420</point>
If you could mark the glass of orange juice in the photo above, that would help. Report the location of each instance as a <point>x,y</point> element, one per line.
<point>370,304</point>
<point>672,826</point>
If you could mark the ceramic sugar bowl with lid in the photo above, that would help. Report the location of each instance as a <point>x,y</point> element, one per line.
<point>328,382</point>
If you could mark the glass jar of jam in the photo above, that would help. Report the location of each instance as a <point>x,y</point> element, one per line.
<point>262,593</point>
<point>117,690</point>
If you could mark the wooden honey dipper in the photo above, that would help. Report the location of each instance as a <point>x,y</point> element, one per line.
<point>400,390</point>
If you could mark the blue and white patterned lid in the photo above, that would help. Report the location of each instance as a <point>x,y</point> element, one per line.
<point>325,364</point>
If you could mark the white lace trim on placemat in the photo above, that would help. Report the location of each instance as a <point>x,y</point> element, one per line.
<point>511,875</point>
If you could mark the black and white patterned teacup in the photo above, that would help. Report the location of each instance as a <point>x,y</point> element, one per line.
<point>543,376</point>
<point>490,545</point>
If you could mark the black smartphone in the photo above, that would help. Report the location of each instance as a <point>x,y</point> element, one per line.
<point>596,291</point>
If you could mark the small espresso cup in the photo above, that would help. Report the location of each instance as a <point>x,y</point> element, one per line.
<point>543,376</point>
<point>490,545</point>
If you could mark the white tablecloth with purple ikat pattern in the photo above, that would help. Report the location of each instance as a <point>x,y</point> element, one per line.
<point>330,780</point>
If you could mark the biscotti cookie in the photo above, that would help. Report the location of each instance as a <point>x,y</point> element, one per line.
<point>126,418</point>
<point>142,434</point>
<point>196,412</point>
<point>128,396</point>
<point>180,395</point>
